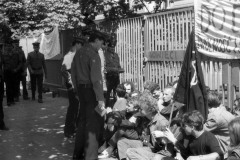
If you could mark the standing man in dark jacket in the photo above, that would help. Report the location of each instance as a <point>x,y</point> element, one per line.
<point>71,120</point>
<point>23,74</point>
<point>2,124</point>
<point>86,76</point>
<point>36,66</point>
<point>113,69</point>
<point>12,64</point>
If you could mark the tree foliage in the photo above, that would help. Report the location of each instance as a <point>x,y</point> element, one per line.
<point>28,17</point>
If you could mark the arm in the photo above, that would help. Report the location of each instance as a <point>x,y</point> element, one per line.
<point>211,124</point>
<point>96,77</point>
<point>44,67</point>
<point>211,156</point>
<point>28,64</point>
<point>74,72</point>
<point>20,63</point>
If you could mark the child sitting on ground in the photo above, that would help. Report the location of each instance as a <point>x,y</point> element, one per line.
<point>122,124</point>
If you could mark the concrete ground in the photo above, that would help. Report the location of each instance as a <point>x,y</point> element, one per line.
<point>36,130</point>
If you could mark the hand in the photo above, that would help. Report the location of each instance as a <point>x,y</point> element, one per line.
<point>133,119</point>
<point>157,134</point>
<point>101,105</point>
<point>193,158</point>
<point>170,136</point>
<point>178,156</point>
<point>109,109</point>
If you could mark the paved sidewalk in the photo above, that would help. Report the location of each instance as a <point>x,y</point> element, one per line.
<point>36,130</point>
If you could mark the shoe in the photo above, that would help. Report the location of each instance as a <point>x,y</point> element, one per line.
<point>103,155</point>
<point>40,101</point>
<point>26,98</point>
<point>4,128</point>
<point>16,99</point>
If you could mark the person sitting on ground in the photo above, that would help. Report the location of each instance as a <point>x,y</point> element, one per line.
<point>236,107</point>
<point>128,126</point>
<point>129,87</point>
<point>167,104</point>
<point>151,86</point>
<point>202,145</point>
<point>234,132</point>
<point>121,102</point>
<point>218,120</point>
<point>135,148</point>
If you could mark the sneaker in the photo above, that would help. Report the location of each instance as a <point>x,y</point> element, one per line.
<point>103,155</point>
<point>4,128</point>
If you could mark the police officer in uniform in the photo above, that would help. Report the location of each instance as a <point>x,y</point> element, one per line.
<point>36,66</point>
<point>2,124</point>
<point>113,69</point>
<point>12,64</point>
<point>23,74</point>
<point>86,76</point>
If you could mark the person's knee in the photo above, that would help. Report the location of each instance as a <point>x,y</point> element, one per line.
<point>130,152</point>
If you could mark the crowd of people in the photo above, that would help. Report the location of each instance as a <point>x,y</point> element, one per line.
<point>112,119</point>
<point>147,125</point>
<point>13,71</point>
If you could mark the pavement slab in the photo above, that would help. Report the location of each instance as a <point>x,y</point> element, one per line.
<point>36,130</point>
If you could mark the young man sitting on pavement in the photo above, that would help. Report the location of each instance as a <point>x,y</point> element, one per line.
<point>122,124</point>
<point>148,107</point>
<point>218,120</point>
<point>202,145</point>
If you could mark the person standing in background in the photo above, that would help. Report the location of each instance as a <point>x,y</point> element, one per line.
<point>36,66</point>
<point>2,124</point>
<point>112,71</point>
<point>22,73</point>
<point>11,65</point>
<point>72,112</point>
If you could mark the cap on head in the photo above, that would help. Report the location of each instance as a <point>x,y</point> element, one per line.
<point>35,43</point>
<point>78,40</point>
<point>97,35</point>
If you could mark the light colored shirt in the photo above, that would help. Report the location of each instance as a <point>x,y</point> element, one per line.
<point>68,58</point>
<point>217,123</point>
<point>103,63</point>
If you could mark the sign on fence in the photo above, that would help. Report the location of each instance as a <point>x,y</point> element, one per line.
<point>217,28</point>
<point>171,55</point>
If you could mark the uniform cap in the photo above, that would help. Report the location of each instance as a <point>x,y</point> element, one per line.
<point>35,43</point>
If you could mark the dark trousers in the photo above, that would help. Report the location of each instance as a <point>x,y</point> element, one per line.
<point>112,81</point>
<point>1,103</point>
<point>36,79</point>
<point>86,142</point>
<point>10,81</point>
<point>120,133</point>
<point>22,78</point>
<point>71,121</point>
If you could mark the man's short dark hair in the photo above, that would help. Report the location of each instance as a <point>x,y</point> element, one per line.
<point>213,98</point>
<point>193,119</point>
<point>77,40</point>
<point>96,35</point>
<point>120,90</point>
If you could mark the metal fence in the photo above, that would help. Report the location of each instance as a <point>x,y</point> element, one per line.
<point>163,39</point>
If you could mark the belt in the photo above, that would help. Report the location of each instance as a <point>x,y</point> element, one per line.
<point>85,85</point>
<point>37,68</point>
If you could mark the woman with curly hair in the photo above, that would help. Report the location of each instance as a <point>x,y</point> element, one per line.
<point>234,132</point>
